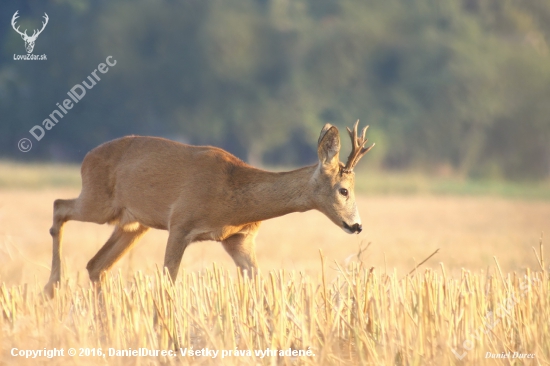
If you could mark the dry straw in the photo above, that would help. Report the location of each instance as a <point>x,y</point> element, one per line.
<point>362,317</point>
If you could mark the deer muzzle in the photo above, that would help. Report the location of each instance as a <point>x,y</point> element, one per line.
<point>352,229</point>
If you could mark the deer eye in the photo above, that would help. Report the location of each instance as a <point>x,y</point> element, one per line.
<point>344,192</point>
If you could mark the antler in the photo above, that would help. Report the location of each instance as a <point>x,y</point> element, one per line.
<point>43,25</point>
<point>34,34</point>
<point>357,147</point>
<point>13,19</point>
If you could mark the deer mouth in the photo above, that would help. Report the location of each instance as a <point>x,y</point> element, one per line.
<point>355,228</point>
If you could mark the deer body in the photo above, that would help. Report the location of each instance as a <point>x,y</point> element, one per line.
<point>196,193</point>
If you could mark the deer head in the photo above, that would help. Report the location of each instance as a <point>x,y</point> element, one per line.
<point>29,40</point>
<point>334,182</point>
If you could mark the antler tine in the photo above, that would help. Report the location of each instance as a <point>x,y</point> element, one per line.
<point>46,18</point>
<point>353,134</point>
<point>357,147</point>
<point>14,17</point>
<point>364,133</point>
<point>13,21</point>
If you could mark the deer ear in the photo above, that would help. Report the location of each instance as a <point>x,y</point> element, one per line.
<point>329,145</point>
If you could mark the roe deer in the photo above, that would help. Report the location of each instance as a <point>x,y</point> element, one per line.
<point>200,193</point>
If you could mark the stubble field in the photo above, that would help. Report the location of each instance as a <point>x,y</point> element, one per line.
<point>348,308</point>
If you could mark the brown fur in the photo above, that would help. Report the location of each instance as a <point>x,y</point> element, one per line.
<point>196,193</point>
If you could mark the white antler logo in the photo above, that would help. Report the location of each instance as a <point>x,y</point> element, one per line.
<point>29,41</point>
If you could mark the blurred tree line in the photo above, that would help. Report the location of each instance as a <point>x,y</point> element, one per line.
<point>458,85</point>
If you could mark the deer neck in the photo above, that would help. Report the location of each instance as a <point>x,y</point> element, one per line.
<point>272,194</point>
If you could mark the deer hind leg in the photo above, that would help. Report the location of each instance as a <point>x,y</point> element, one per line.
<point>241,247</point>
<point>79,209</point>
<point>121,241</point>
<point>63,211</point>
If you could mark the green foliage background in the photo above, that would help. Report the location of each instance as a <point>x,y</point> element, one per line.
<point>457,86</point>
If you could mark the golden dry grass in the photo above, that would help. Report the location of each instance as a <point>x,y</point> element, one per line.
<point>360,318</point>
<point>354,316</point>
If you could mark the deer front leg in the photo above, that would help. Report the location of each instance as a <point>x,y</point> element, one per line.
<point>242,248</point>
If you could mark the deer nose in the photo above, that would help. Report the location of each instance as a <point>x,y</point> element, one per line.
<point>355,228</point>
